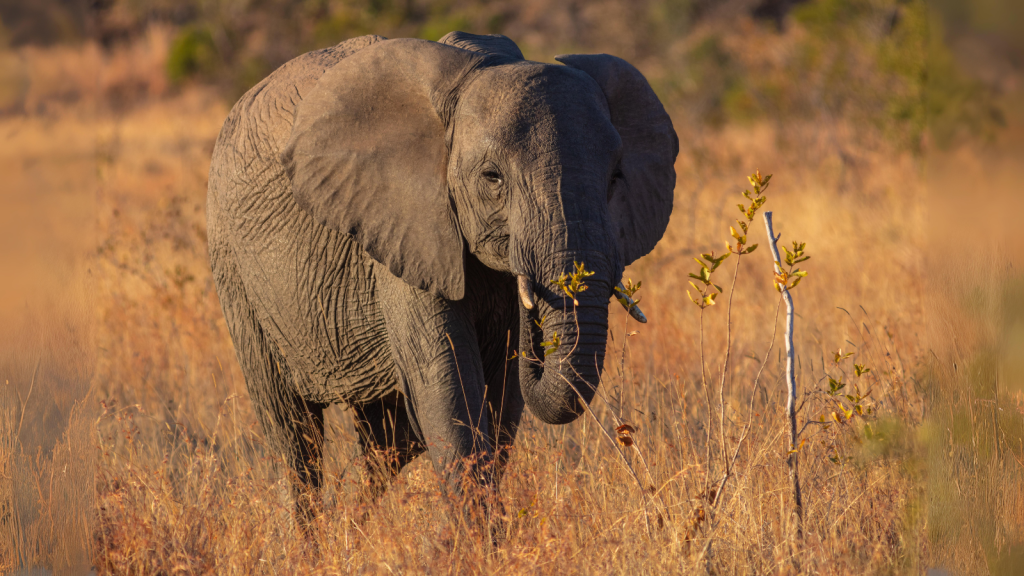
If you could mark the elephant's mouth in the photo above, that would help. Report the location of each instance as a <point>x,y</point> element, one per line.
<point>529,299</point>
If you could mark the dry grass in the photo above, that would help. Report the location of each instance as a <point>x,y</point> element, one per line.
<point>127,441</point>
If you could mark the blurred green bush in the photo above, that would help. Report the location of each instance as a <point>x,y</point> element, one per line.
<point>192,55</point>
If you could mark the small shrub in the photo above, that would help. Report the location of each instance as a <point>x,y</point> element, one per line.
<point>192,54</point>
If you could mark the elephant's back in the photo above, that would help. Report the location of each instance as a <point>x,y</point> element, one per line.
<point>311,288</point>
<point>260,123</point>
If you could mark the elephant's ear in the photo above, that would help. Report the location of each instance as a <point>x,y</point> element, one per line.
<point>494,44</point>
<point>641,202</point>
<point>368,156</point>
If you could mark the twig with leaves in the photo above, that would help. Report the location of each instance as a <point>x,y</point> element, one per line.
<point>707,297</point>
<point>624,293</point>
<point>757,200</point>
<point>785,280</point>
<point>838,395</point>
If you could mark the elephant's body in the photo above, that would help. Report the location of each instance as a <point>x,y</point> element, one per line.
<point>311,289</point>
<point>373,208</point>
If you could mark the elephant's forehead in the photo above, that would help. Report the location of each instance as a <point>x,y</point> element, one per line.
<point>532,103</point>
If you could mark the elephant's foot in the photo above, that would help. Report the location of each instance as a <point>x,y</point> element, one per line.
<point>474,503</point>
<point>380,468</point>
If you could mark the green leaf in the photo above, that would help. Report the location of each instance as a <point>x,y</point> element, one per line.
<point>551,345</point>
<point>694,300</point>
<point>750,249</point>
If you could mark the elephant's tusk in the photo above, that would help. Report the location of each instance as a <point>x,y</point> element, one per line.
<point>630,305</point>
<point>526,292</point>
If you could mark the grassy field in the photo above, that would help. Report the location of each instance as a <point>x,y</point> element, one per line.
<point>128,443</point>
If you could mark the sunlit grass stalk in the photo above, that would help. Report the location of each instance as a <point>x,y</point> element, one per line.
<point>625,293</point>
<point>707,402</point>
<point>725,367</point>
<point>622,455</point>
<point>743,436</point>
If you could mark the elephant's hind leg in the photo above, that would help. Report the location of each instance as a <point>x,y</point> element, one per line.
<point>387,440</point>
<point>294,428</point>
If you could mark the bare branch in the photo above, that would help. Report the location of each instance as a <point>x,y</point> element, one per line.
<point>791,458</point>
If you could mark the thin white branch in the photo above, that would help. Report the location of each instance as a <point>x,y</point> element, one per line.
<point>790,375</point>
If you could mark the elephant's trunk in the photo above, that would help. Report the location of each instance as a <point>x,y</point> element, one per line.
<point>562,355</point>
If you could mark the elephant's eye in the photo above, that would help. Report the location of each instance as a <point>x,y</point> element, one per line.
<point>492,177</point>
<point>616,177</point>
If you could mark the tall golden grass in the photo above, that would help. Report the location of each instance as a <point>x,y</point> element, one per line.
<point>128,443</point>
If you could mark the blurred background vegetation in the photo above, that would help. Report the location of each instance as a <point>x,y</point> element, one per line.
<point>890,67</point>
<point>895,129</point>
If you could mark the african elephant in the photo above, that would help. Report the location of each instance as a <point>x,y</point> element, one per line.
<point>375,208</point>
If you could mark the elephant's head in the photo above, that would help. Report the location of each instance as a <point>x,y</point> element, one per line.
<point>425,151</point>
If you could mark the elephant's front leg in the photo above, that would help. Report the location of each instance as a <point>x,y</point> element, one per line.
<point>435,350</point>
<point>504,398</point>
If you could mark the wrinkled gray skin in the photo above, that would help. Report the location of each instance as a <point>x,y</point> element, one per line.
<point>370,207</point>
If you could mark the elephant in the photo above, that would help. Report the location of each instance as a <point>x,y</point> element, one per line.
<point>386,222</point>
